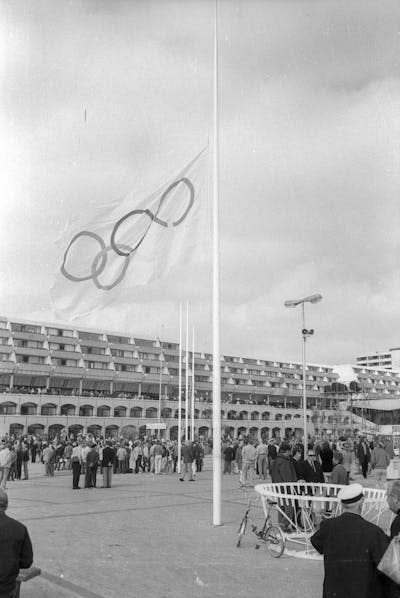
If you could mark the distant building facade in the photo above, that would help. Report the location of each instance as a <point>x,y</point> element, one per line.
<point>56,379</point>
<point>389,360</point>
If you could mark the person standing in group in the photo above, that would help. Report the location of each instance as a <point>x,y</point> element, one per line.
<point>283,470</point>
<point>15,549</point>
<point>262,459</point>
<point>107,464</point>
<point>352,548</point>
<point>5,464</point>
<point>272,453</point>
<point>25,459</point>
<point>363,455</point>
<point>326,456</point>
<point>92,462</point>
<point>347,452</point>
<point>248,464</point>
<point>76,462</point>
<point>229,456</point>
<point>339,474</point>
<point>187,459</point>
<point>158,452</point>
<point>379,462</point>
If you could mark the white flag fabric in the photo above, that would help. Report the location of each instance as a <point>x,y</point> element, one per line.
<point>133,242</point>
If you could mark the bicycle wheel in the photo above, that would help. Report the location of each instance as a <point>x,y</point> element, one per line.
<point>241,532</point>
<point>275,540</point>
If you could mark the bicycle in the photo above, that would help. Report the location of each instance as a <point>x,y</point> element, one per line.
<point>269,533</point>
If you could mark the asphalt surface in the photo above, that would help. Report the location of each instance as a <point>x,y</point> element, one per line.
<point>149,536</point>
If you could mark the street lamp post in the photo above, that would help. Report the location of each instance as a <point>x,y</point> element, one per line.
<point>305,333</point>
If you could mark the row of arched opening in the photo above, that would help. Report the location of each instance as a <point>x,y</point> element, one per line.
<point>49,409</point>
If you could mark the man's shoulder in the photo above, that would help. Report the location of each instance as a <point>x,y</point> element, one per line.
<point>13,524</point>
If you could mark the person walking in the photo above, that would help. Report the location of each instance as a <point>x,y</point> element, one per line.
<point>363,455</point>
<point>352,548</point>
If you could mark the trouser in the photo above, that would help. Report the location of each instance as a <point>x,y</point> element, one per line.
<point>18,469</point>
<point>289,512</point>
<point>247,472</point>
<point>364,467</point>
<point>262,466</point>
<point>90,478</point>
<point>186,469</point>
<point>107,476</point>
<point>227,466</point>
<point>379,475</point>
<point>76,472</point>
<point>4,471</point>
<point>121,466</point>
<point>33,455</point>
<point>157,464</point>
<point>25,464</point>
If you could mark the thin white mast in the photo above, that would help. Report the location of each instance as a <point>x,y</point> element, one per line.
<point>180,390</point>
<point>192,397</point>
<point>187,375</point>
<point>216,386</point>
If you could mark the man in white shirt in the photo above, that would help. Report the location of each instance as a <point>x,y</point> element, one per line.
<point>5,464</point>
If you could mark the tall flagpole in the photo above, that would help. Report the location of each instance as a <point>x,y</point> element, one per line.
<point>216,385</point>
<point>180,390</point>
<point>192,394</point>
<point>187,375</point>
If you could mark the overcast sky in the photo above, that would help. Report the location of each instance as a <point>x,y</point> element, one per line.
<point>100,98</point>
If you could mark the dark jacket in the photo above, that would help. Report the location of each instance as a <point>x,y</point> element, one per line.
<point>363,452</point>
<point>352,548</point>
<point>187,453</point>
<point>15,551</point>
<point>395,527</point>
<point>92,458</point>
<point>299,468</point>
<point>283,470</point>
<point>108,456</point>
<point>313,474</point>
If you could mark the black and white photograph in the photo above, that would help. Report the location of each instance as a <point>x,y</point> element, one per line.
<point>199,298</point>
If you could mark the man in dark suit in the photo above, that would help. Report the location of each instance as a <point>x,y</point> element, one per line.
<point>352,548</point>
<point>15,549</point>
<point>363,455</point>
<point>107,464</point>
<point>312,469</point>
<point>92,462</point>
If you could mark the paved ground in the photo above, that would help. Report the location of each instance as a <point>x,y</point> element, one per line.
<point>149,536</point>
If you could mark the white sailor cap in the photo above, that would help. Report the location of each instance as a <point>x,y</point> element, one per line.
<point>351,494</point>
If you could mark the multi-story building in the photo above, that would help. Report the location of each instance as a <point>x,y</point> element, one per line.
<point>389,360</point>
<point>55,378</point>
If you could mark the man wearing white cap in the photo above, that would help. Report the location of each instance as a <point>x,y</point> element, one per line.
<point>352,548</point>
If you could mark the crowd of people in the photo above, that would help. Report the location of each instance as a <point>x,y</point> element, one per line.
<point>86,455</point>
<point>326,461</point>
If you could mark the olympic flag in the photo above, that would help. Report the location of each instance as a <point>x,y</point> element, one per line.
<point>133,242</point>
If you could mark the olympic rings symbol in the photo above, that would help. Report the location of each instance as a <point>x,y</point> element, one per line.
<point>99,262</point>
